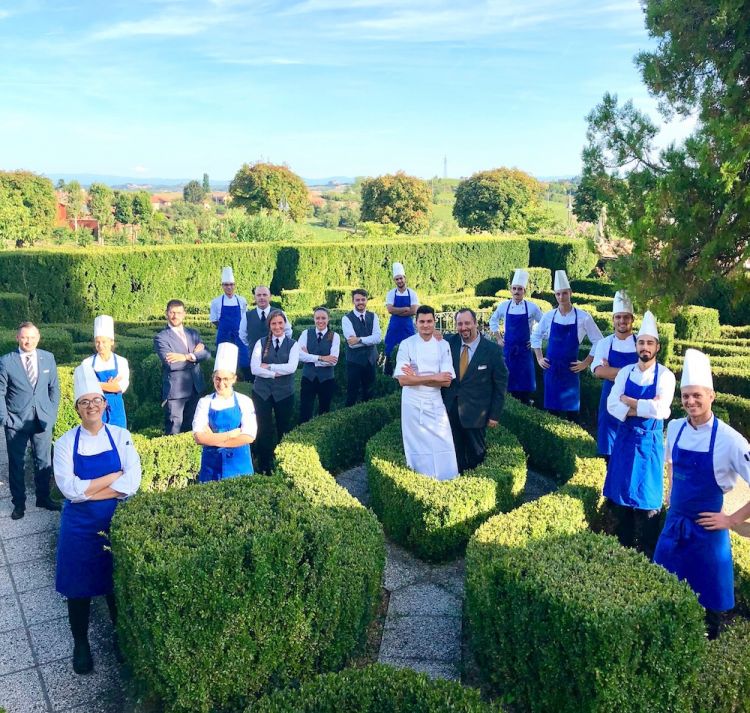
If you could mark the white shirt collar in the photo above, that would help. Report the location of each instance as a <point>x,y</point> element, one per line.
<point>708,425</point>
<point>24,354</point>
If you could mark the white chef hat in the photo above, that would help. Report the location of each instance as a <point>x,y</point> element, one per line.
<point>104,326</point>
<point>622,303</point>
<point>648,327</point>
<point>696,370</point>
<point>561,280</point>
<point>398,269</point>
<point>226,357</point>
<point>85,382</point>
<point>227,275</point>
<point>520,279</point>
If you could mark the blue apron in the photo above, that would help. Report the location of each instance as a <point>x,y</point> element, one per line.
<point>635,474</point>
<point>607,424</point>
<point>702,557</point>
<point>219,463</point>
<point>399,328</point>
<point>562,387</point>
<point>84,558</point>
<point>228,330</point>
<point>115,413</point>
<point>517,351</point>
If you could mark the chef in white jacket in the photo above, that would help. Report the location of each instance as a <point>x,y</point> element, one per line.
<point>424,365</point>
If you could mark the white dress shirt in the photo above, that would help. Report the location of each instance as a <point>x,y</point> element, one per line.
<point>348,329</point>
<point>71,486</point>
<point>472,348</point>
<point>308,358</point>
<point>510,307</point>
<point>659,407</point>
<point>731,449</point>
<point>601,350</point>
<point>34,360</point>
<point>586,326</point>
<point>390,298</point>
<point>273,369</point>
<point>123,370</point>
<point>266,311</point>
<point>214,311</point>
<point>248,424</point>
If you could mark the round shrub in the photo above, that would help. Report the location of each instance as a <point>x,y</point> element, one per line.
<point>435,519</point>
<point>375,689</point>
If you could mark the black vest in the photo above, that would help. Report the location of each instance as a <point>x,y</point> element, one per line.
<point>255,328</point>
<point>322,348</point>
<point>362,354</point>
<point>282,386</point>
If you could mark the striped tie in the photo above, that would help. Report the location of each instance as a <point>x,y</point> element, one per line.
<point>30,370</point>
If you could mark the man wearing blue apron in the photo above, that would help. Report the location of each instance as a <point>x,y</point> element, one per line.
<point>225,423</point>
<point>705,456</point>
<point>640,400</point>
<point>611,354</point>
<point>112,371</point>
<point>96,466</point>
<point>401,303</point>
<point>519,316</point>
<point>228,314</point>
<point>564,329</point>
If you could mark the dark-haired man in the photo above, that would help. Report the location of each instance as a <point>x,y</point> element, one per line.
<point>362,333</point>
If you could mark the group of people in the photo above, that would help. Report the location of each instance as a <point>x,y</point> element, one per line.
<point>453,389</point>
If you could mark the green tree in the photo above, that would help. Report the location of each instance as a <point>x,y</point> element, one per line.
<point>502,199</point>
<point>100,203</point>
<point>74,199</point>
<point>123,207</point>
<point>142,208</point>
<point>206,184</point>
<point>397,199</point>
<point>27,207</point>
<point>683,207</point>
<point>265,186</point>
<point>193,192</point>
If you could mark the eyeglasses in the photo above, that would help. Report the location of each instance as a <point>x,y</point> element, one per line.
<point>96,401</point>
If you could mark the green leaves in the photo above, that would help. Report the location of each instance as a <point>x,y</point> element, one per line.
<point>265,186</point>
<point>397,199</point>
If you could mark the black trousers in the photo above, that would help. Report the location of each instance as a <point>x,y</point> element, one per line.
<point>178,417</point>
<point>470,443</point>
<point>359,376</point>
<point>523,396</point>
<point>41,451</point>
<point>79,611</point>
<point>309,389</point>
<point>635,528</point>
<point>266,411</point>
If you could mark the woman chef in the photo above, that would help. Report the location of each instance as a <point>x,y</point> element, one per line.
<point>112,371</point>
<point>96,466</point>
<point>224,422</point>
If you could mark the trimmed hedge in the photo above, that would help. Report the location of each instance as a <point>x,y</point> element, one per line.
<point>697,323</point>
<point>592,286</point>
<point>725,348</point>
<point>14,309</point>
<point>573,255</point>
<point>53,339</point>
<point>435,519</point>
<point>376,689</point>
<point>229,590</point>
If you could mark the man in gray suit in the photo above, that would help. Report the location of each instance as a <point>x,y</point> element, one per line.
<point>29,398</point>
<point>181,351</point>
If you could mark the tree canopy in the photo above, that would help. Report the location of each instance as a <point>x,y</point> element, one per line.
<point>27,207</point>
<point>397,199</point>
<point>498,200</point>
<point>193,192</point>
<point>100,203</point>
<point>266,186</point>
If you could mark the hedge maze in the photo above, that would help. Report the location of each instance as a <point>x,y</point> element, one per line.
<point>255,594</point>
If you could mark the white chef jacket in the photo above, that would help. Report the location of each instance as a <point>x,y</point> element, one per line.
<point>390,298</point>
<point>123,369</point>
<point>659,407</point>
<point>510,307</point>
<point>601,350</point>
<point>248,424</point>
<point>214,311</point>
<point>586,326</point>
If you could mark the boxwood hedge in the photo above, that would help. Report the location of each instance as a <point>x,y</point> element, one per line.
<point>14,309</point>
<point>699,323</point>
<point>435,519</point>
<point>573,255</point>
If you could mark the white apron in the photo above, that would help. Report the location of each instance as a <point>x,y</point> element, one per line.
<point>428,442</point>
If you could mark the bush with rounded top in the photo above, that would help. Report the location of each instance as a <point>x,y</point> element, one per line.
<point>693,322</point>
<point>573,255</point>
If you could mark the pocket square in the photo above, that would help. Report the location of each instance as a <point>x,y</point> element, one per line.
<point>484,366</point>
<point>46,371</point>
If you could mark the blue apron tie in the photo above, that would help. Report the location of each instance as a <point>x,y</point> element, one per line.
<point>607,424</point>
<point>685,548</point>
<point>84,559</point>
<point>115,413</point>
<point>219,463</point>
<point>399,327</point>
<point>562,387</point>
<point>517,351</point>
<point>228,330</point>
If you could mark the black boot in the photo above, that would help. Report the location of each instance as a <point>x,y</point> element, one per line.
<point>82,661</point>
<point>78,615</point>
<point>714,620</point>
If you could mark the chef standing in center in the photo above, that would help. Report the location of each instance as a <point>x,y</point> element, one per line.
<point>424,365</point>
<point>228,313</point>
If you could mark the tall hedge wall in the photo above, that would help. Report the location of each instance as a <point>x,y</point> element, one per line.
<point>575,256</point>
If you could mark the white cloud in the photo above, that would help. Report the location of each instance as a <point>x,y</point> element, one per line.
<point>166,25</point>
<point>140,170</point>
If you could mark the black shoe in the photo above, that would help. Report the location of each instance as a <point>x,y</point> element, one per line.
<point>82,661</point>
<point>48,504</point>
<point>18,513</point>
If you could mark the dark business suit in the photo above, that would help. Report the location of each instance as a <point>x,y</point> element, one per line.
<point>182,381</point>
<point>475,399</point>
<point>29,414</point>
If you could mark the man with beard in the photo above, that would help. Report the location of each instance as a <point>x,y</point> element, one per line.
<point>640,400</point>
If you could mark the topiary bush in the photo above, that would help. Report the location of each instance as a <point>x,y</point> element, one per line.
<point>435,519</point>
<point>697,323</point>
<point>573,255</point>
<point>53,339</point>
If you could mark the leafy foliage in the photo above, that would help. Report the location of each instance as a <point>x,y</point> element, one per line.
<point>265,186</point>
<point>397,199</point>
<point>27,207</point>
<point>193,192</point>
<point>100,203</point>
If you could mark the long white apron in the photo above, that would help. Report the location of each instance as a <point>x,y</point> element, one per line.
<point>428,442</point>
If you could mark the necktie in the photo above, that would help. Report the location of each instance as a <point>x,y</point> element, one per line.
<point>276,345</point>
<point>263,316</point>
<point>320,336</point>
<point>362,319</point>
<point>183,337</point>
<point>30,370</point>
<point>463,364</point>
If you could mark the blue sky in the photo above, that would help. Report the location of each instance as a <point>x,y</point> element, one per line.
<point>173,88</point>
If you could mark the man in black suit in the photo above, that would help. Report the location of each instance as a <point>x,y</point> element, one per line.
<point>29,397</point>
<point>180,350</point>
<point>475,398</point>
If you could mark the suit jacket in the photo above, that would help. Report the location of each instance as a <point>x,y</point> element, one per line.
<point>23,406</point>
<point>181,378</point>
<point>481,393</point>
